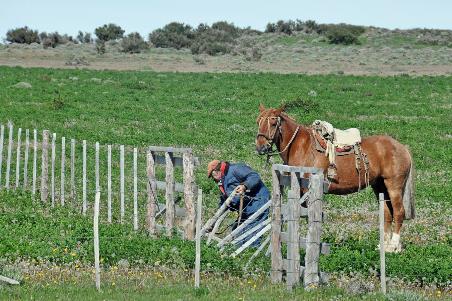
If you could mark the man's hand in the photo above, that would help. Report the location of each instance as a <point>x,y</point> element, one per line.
<point>241,188</point>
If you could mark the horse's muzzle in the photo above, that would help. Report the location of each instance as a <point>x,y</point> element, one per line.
<point>263,149</point>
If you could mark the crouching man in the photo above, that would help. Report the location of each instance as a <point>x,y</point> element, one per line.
<point>251,195</point>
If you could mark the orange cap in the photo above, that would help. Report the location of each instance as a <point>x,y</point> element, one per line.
<point>212,166</point>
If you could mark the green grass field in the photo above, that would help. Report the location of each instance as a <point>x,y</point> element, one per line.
<point>215,115</point>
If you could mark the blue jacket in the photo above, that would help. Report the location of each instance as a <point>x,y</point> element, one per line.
<point>257,193</point>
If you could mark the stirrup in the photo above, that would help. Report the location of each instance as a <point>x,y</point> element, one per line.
<point>332,171</point>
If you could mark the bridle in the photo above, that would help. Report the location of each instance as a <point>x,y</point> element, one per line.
<point>270,136</point>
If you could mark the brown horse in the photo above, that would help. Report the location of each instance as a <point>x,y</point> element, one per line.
<point>390,166</point>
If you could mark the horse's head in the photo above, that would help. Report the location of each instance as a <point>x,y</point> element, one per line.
<point>269,123</point>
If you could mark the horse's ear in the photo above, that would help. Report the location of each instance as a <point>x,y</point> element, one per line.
<point>281,109</point>
<point>261,108</point>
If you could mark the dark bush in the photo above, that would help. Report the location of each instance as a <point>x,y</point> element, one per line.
<point>342,33</point>
<point>100,46</point>
<point>286,27</point>
<point>53,39</point>
<point>22,35</point>
<point>109,32</point>
<point>227,27</point>
<point>173,35</point>
<point>84,37</point>
<point>271,27</point>
<point>212,41</point>
<point>133,43</point>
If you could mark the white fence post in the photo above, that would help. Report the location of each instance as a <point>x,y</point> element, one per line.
<point>45,166</point>
<point>2,138</point>
<point>382,247</point>
<point>63,160</point>
<point>84,204</point>
<point>73,170</point>
<point>109,183</point>
<point>135,190</point>
<point>35,162</point>
<point>27,149</point>
<point>8,158</point>
<point>96,239</point>
<point>52,171</point>
<point>19,134</point>
<point>198,239</point>
<point>121,179</point>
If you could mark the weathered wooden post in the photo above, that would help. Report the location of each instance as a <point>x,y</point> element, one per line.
<point>109,183</point>
<point>293,225</point>
<point>52,171</point>
<point>152,191</point>
<point>45,166</point>
<point>63,161</point>
<point>382,242</point>
<point>276,256</point>
<point>35,161</point>
<point>8,158</point>
<point>84,201</point>
<point>169,195</point>
<point>73,191</point>
<point>189,185</point>
<point>27,150</point>
<point>121,180</point>
<point>19,135</point>
<point>96,239</point>
<point>198,239</point>
<point>2,138</point>
<point>312,273</point>
<point>135,189</point>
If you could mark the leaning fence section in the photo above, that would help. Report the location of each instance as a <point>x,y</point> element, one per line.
<point>304,200</point>
<point>147,187</point>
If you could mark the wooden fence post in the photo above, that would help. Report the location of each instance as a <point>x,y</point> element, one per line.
<point>45,166</point>
<point>35,162</point>
<point>189,184</point>
<point>63,161</point>
<point>109,183</point>
<point>2,138</point>
<point>198,239</point>
<point>52,171</point>
<point>276,256</point>
<point>135,190</point>
<point>97,173</point>
<point>27,149</point>
<point>19,136</point>
<point>311,273</point>
<point>73,170</point>
<point>169,195</point>
<point>382,247</point>
<point>121,180</point>
<point>152,192</point>
<point>8,158</point>
<point>96,239</point>
<point>84,204</point>
<point>293,242</point>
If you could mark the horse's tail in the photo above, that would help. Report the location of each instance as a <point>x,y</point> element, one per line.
<point>408,193</point>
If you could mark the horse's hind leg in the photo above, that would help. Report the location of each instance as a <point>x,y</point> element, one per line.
<point>379,187</point>
<point>395,188</point>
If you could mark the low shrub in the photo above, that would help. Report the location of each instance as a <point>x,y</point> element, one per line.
<point>22,35</point>
<point>109,32</point>
<point>173,35</point>
<point>133,43</point>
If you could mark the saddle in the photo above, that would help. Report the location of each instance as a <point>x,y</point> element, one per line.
<point>335,142</point>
